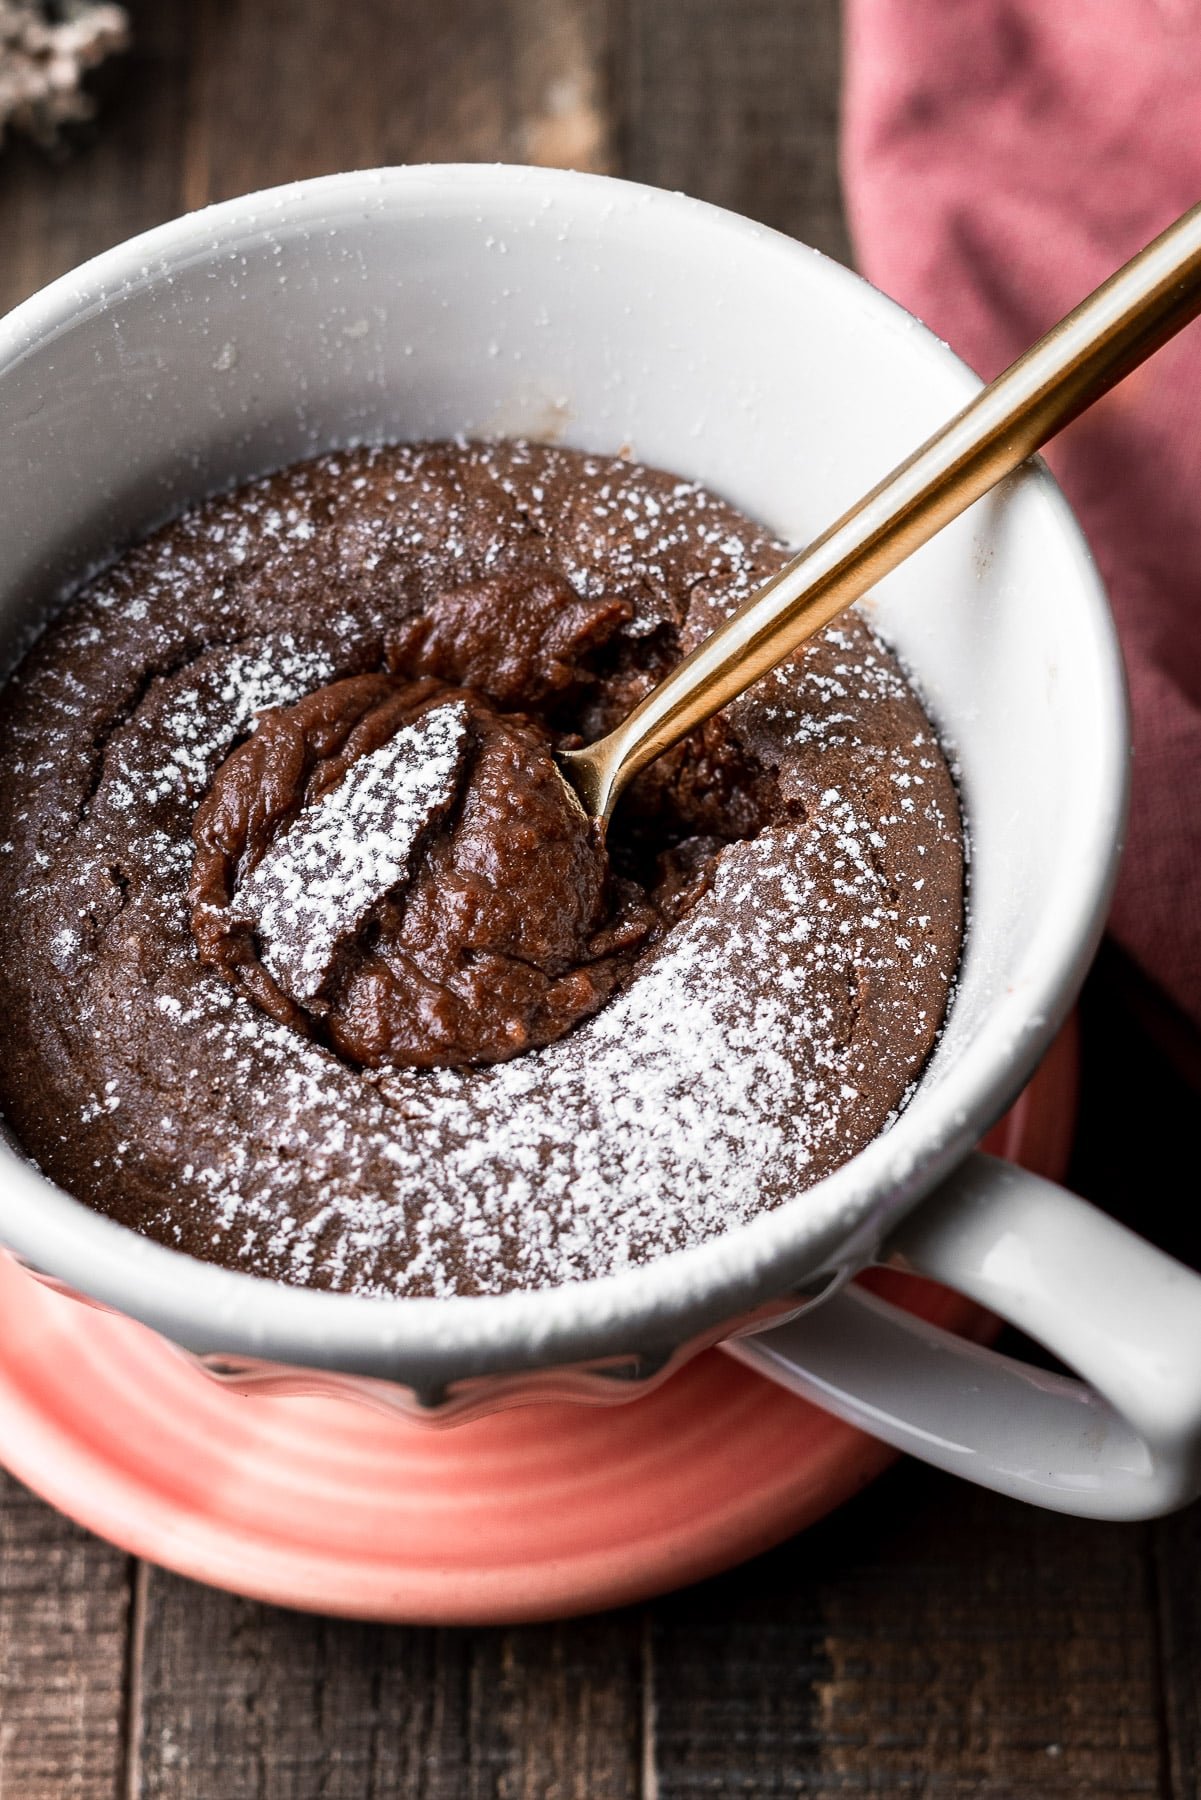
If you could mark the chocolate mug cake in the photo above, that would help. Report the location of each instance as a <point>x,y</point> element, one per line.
<point>308,969</point>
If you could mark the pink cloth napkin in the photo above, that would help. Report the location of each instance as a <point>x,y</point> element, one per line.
<point>1000,159</point>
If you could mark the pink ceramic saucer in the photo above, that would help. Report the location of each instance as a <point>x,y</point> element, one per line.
<point>534,1513</point>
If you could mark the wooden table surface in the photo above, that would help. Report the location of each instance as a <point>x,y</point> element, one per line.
<point>929,1639</point>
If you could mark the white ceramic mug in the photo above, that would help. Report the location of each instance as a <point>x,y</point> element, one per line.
<point>431,301</point>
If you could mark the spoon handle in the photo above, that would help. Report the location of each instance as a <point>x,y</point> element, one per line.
<point>1121,323</point>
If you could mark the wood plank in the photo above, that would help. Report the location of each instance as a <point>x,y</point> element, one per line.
<point>368,84</point>
<point>930,1640</point>
<point>121,180</point>
<point>738,103</point>
<point>64,1602</point>
<point>239,1699</point>
<point>1178,1593</point>
<point>1132,1072</point>
<point>734,1672</point>
<point>995,1650</point>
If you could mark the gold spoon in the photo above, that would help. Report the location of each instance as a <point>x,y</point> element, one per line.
<point>1139,308</point>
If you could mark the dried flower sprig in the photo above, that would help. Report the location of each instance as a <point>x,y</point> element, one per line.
<point>44,54</point>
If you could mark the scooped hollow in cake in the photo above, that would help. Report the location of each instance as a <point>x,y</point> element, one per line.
<point>309,973</point>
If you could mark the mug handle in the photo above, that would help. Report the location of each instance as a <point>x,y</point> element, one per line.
<point>1124,1442</point>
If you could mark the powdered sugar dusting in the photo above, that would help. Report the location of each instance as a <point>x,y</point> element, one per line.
<point>318,879</point>
<point>770,1035</point>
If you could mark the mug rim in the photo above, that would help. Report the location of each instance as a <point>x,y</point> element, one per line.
<point>427,1342</point>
